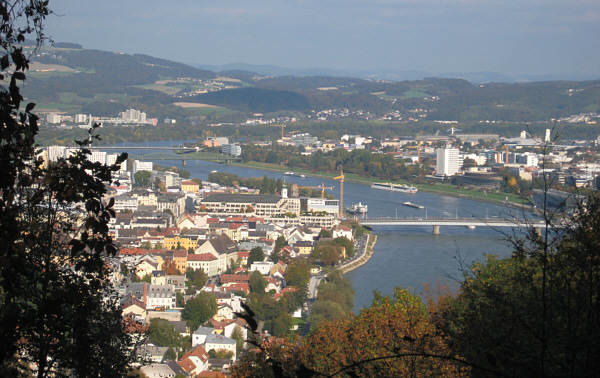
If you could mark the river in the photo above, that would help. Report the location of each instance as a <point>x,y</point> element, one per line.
<point>406,256</point>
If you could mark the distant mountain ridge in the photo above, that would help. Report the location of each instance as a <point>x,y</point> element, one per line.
<point>481,77</point>
<point>76,80</point>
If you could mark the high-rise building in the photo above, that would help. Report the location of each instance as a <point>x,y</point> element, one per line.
<point>53,118</point>
<point>447,161</point>
<point>56,152</point>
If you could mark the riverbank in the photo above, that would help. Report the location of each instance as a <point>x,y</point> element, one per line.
<point>364,258</point>
<point>506,199</point>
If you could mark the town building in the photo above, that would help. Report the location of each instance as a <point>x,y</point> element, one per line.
<point>447,161</point>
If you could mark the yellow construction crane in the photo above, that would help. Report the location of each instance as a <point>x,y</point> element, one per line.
<point>341,178</point>
<point>282,127</point>
<point>322,187</point>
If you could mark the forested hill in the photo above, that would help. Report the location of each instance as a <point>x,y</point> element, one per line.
<point>75,80</point>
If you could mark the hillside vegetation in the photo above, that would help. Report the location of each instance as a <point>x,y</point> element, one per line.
<point>105,83</point>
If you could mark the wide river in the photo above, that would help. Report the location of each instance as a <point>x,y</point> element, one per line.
<point>406,256</point>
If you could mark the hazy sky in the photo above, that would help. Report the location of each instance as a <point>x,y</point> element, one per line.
<point>506,36</point>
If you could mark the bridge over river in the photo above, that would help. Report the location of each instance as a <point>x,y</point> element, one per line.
<point>172,153</point>
<point>466,222</point>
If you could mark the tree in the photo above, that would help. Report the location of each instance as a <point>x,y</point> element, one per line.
<point>142,178</point>
<point>256,254</point>
<point>534,313</point>
<point>196,278</point>
<point>238,336</point>
<point>298,273</point>
<point>170,355</point>
<point>327,253</point>
<point>325,234</point>
<point>220,353</point>
<point>199,309</point>
<point>162,333</point>
<point>57,307</point>
<point>395,337</point>
<point>258,284</point>
<point>346,243</point>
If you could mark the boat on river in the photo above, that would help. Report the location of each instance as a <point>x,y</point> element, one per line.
<point>357,208</point>
<point>410,204</point>
<point>394,187</point>
<point>288,173</point>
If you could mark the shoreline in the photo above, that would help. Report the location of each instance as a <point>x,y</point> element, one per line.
<point>469,195</point>
<point>370,249</point>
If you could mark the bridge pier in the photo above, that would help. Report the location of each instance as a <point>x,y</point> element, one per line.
<point>436,229</point>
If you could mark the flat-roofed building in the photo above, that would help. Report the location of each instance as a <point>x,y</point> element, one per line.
<point>264,205</point>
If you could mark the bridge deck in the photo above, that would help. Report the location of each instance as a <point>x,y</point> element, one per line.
<point>477,222</point>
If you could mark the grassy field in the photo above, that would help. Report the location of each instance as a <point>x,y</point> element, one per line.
<point>211,111</point>
<point>414,94</point>
<point>385,96</point>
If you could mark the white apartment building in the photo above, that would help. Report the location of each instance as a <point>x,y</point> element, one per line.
<point>265,205</point>
<point>331,206</point>
<point>112,158</point>
<point>81,118</point>
<point>142,166</point>
<point>447,161</point>
<point>53,118</point>
<point>208,262</point>
<point>160,296</point>
<point>97,157</point>
<point>56,152</point>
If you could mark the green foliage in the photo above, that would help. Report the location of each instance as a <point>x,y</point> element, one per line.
<point>298,273</point>
<point>195,278</point>
<point>238,336</point>
<point>163,334</point>
<point>221,353</point>
<point>142,178</point>
<point>325,234</point>
<point>531,314</point>
<point>199,309</point>
<point>325,310</point>
<point>170,355</point>
<point>335,299</point>
<point>256,254</point>
<point>58,310</point>
<point>328,253</point>
<point>346,243</point>
<point>147,278</point>
<point>265,184</point>
<point>258,284</point>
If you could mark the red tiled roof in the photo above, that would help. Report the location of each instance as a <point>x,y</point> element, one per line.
<point>186,364</point>
<point>134,251</point>
<point>199,352</point>
<point>235,278</point>
<point>201,257</point>
<point>237,287</point>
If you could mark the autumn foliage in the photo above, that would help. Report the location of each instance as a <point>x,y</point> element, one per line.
<point>392,338</point>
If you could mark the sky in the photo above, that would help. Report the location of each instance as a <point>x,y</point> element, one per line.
<point>539,37</point>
